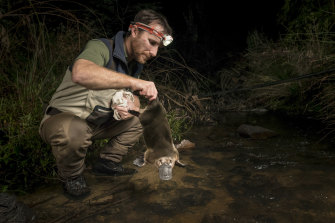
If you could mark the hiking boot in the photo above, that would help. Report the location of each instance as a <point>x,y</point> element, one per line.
<point>76,187</point>
<point>111,168</point>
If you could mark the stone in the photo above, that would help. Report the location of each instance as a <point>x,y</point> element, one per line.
<point>255,132</point>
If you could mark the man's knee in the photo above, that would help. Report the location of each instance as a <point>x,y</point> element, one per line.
<point>78,133</point>
<point>66,131</point>
<point>136,126</point>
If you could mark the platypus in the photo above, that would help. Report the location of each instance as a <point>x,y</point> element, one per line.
<point>160,149</point>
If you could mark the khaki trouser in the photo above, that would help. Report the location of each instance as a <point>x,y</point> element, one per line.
<point>70,136</point>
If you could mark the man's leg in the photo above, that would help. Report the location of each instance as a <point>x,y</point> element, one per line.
<point>123,135</point>
<point>69,137</point>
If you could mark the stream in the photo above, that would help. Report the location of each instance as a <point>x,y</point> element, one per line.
<point>228,178</point>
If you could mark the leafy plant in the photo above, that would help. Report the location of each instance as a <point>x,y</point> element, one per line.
<point>33,59</point>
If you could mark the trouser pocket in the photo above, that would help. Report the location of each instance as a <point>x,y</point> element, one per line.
<point>100,115</point>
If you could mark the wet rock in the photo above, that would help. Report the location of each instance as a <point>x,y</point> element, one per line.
<point>255,132</point>
<point>185,145</point>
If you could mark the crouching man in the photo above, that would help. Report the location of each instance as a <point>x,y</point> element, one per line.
<point>82,108</point>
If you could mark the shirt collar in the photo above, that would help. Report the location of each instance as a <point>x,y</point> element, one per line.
<point>119,50</point>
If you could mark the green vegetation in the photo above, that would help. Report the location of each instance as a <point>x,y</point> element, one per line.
<point>32,61</point>
<point>307,47</point>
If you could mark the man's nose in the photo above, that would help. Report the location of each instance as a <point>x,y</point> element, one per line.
<point>153,51</point>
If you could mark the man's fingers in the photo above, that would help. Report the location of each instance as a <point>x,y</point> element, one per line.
<point>121,109</point>
<point>150,98</point>
<point>147,89</point>
<point>123,112</point>
<point>150,93</point>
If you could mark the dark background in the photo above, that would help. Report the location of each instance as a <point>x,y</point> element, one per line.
<point>227,24</point>
<point>208,34</point>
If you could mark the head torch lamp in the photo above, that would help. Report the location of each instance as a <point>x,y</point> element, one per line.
<point>164,38</point>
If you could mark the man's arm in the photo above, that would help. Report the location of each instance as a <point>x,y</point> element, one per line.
<point>93,76</point>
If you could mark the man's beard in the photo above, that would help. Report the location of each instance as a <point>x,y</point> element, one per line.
<point>141,58</point>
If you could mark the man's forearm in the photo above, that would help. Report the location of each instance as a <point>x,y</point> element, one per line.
<point>95,77</point>
<point>92,76</point>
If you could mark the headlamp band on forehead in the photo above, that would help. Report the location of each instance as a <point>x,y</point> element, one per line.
<point>166,39</point>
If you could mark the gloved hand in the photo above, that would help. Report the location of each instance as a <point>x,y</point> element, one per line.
<point>124,104</point>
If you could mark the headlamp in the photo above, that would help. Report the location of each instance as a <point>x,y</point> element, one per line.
<point>164,38</point>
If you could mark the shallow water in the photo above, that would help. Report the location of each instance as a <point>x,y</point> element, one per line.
<point>287,178</point>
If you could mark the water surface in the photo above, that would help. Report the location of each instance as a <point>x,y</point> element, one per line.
<point>287,178</point>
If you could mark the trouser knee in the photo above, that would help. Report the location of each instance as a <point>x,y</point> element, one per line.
<point>128,133</point>
<point>69,137</point>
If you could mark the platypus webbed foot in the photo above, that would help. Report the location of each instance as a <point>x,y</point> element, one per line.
<point>180,164</point>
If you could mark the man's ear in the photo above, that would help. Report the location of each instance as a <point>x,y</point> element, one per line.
<point>134,31</point>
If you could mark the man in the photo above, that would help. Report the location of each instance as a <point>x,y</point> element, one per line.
<point>85,107</point>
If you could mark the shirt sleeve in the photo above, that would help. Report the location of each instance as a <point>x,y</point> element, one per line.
<point>95,51</point>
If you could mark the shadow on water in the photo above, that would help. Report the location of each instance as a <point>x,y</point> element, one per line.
<point>287,178</point>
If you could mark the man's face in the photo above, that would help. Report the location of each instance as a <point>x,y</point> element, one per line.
<point>144,44</point>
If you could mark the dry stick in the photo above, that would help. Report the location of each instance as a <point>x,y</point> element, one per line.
<point>174,101</point>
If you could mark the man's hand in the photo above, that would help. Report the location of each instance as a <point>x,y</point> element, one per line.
<point>123,112</point>
<point>145,88</point>
<point>131,105</point>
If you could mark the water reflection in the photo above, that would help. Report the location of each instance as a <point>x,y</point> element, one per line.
<point>288,178</point>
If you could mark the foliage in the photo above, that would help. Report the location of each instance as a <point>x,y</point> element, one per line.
<point>300,16</point>
<point>33,58</point>
<point>179,124</point>
<point>307,47</point>
<point>292,55</point>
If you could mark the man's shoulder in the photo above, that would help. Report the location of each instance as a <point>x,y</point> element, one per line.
<point>96,43</point>
<point>96,51</point>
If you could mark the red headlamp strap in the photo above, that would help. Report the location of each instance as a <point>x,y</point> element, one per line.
<point>166,39</point>
<point>148,29</point>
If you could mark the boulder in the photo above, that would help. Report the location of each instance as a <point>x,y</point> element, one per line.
<point>255,132</point>
<point>185,145</point>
